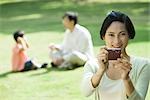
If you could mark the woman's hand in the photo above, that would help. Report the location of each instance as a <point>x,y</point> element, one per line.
<point>123,64</point>
<point>103,64</point>
<point>103,58</point>
<point>125,67</point>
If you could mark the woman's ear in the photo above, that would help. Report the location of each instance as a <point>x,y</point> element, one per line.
<point>103,37</point>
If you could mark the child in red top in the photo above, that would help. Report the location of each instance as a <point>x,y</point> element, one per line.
<point>20,59</point>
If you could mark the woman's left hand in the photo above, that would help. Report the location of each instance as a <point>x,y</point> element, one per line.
<point>123,64</point>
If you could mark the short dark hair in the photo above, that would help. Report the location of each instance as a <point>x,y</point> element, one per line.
<point>17,34</point>
<point>72,16</point>
<point>117,16</point>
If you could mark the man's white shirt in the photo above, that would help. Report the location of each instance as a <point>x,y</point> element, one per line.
<point>78,40</point>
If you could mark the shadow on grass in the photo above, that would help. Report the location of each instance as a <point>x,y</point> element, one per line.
<point>47,70</point>
<point>50,69</point>
<point>4,75</point>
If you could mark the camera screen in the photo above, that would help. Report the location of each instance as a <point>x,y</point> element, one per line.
<point>114,53</point>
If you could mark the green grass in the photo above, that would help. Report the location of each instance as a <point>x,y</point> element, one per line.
<point>42,22</point>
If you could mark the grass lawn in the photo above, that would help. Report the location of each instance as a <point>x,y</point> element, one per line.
<point>42,22</point>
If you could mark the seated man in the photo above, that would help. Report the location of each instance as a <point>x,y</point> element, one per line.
<point>77,46</point>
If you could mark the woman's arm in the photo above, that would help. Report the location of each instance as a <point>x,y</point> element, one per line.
<point>123,64</point>
<point>96,78</point>
<point>86,86</point>
<point>128,86</point>
<point>103,64</point>
<point>93,72</point>
<point>141,86</point>
<point>138,90</point>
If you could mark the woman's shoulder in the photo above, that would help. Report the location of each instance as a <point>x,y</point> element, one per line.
<point>140,60</point>
<point>140,63</point>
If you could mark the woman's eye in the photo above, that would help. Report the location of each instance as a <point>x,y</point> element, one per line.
<point>123,33</point>
<point>111,34</point>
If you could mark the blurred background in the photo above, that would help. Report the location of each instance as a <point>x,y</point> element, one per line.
<point>42,22</point>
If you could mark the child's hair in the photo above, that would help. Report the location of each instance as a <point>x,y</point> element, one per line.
<point>17,34</point>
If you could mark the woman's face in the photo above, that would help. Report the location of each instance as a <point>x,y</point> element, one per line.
<point>116,35</point>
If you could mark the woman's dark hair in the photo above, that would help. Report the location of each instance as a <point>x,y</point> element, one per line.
<point>18,34</point>
<point>117,16</point>
<point>72,16</point>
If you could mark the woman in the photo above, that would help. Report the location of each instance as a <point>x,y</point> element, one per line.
<point>127,77</point>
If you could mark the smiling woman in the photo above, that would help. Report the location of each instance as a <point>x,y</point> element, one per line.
<point>125,78</point>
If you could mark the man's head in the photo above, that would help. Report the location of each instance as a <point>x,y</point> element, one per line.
<point>70,19</point>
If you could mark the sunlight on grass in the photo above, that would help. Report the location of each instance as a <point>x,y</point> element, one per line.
<point>13,1</point>
<point>52,5</point>
<point>137,11</point>
<point>110,1</point>
<point>139,49</point>
<point>26,17</point>
<point>1,36</point>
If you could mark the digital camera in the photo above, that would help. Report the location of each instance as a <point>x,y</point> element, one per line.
<point>114,53</point>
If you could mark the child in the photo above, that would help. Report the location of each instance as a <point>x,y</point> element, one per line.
<point>20,59</point>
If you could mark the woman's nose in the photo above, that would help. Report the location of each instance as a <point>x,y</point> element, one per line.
<point>117,41</point>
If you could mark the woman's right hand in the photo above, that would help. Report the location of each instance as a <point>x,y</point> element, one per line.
<point>103,58</point>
